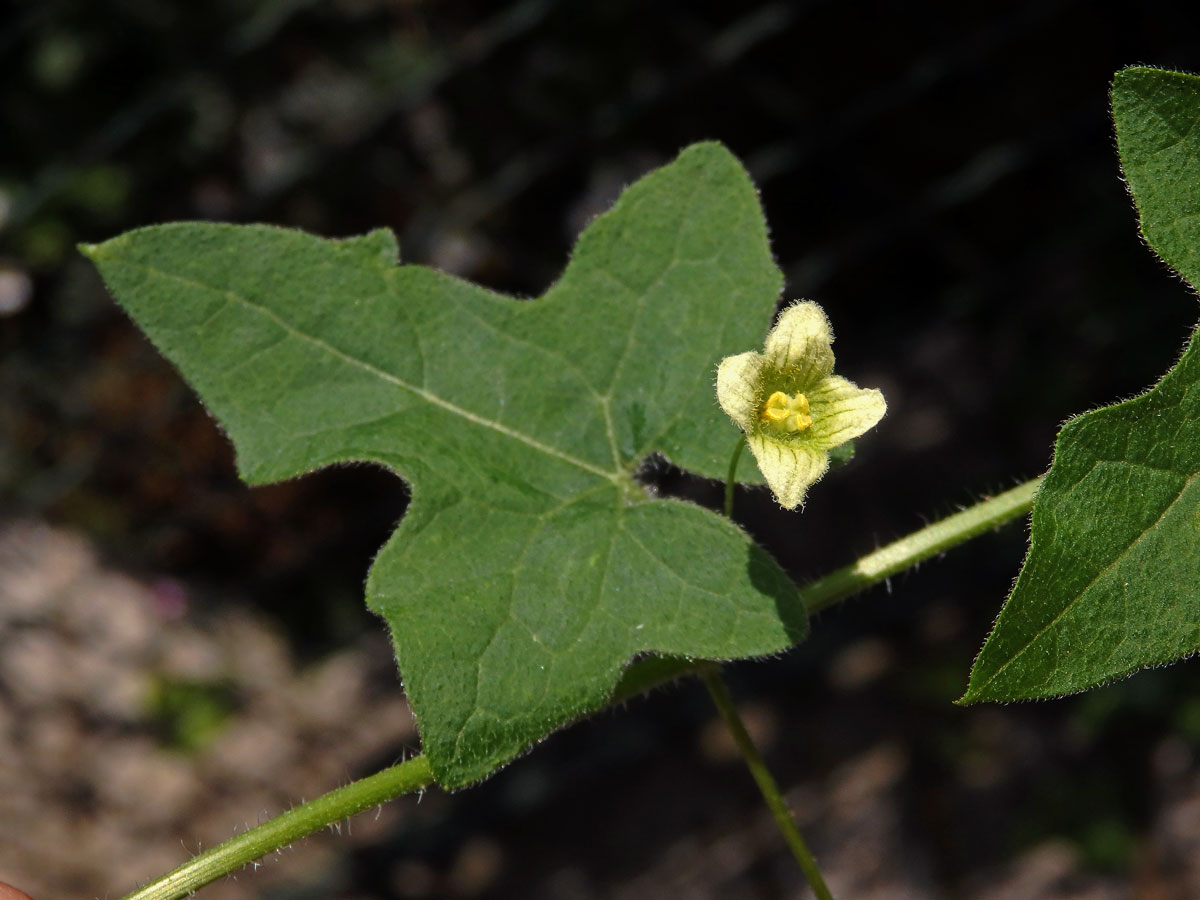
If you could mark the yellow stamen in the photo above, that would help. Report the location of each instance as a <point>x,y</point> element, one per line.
<point>787,414</point>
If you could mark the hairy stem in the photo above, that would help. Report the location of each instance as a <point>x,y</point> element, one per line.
<point>640,677</point>
<point>919,546</point>
<point>871,569</point>
<point>292,825</point>
<point>711,676</point>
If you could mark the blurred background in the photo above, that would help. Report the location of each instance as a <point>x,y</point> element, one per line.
<point>182,657</point>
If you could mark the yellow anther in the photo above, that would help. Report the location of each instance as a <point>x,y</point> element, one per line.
<point>788,414</point>
<point>776,408</point>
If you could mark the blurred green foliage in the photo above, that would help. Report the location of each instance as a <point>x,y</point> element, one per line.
<point>190,714</point>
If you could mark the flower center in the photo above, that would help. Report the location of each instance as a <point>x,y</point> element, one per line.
<point>786,414</point>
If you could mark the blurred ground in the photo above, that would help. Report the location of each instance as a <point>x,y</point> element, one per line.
<point>137,725</point>
<point>133,727</point>
<point>940,176</point>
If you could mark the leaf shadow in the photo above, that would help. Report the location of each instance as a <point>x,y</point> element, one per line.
<point>769,577</point>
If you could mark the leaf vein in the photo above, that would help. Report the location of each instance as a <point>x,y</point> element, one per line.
<point>424,394</point>
<point>1099,574</point>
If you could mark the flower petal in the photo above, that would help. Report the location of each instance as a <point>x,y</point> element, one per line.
<point>841,411</point>
<point>798,345</point>
<point>790,469</point>
<point>738,385</point>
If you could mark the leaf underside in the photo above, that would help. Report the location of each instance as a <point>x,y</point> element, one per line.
<point>530,567</point>
<point>1110,583</point>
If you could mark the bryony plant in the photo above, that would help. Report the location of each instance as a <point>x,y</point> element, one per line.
<point>790,406</point>
<point>533,579</point>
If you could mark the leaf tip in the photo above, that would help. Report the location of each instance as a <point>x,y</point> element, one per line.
<point>1130,72</point>
<point>709,153</point>
<point>711,145</point>
<point>969,698</point>
<point>982,688</point>
<point>378,246</point>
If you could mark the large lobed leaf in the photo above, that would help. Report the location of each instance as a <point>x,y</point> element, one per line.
<point>1112,580</point>
<point>530,567</point>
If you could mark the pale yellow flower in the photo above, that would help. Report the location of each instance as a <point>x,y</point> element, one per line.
<point>791,406</point>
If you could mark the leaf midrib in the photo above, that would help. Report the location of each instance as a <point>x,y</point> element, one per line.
<point>1117,559</point>
<point>424,394</point>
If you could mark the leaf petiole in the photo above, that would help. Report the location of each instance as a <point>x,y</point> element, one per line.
<point>710,674</point>
<point>869,570</point>
<point>415,774</point>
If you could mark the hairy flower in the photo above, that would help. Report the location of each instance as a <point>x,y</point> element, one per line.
<point>791,406</point>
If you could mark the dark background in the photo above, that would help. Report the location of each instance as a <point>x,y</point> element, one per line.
<point>942,177</point>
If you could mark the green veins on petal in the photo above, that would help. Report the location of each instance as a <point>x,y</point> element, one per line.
<point>791,406</point>
<point>790,469</point>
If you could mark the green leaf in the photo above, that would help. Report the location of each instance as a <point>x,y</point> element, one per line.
<point>1155,112</point>
<point>530,566</point>
<point>1110,583</point>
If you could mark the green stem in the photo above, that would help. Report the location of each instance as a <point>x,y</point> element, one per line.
<point>731,478</point>
<point>643,675</point>
<point>292,825</point>
<point>711,676</point>
<point>871,569</point>
<point>919,546</point>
